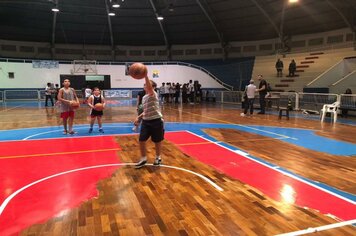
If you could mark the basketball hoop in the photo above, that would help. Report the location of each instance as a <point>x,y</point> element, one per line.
<point>84,67</point>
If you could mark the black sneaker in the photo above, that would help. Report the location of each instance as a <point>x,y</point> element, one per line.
<point>157,161</point>
<point>90,130</point>
<point>141,163</point>
<point>101,131</point>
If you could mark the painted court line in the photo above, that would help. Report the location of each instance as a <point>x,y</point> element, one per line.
<point>9,109</point>
<point>245,126</point>
<point>61,153</point>
<point>9,198</point>
<point>61,130</point>
<point>282,172</point>
<point>320,228</point>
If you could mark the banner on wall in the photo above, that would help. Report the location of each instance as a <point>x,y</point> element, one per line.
<point>37,64</point>
<point>117,93</point>
<point>155,74</point>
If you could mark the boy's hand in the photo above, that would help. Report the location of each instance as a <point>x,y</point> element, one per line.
<point>136,122</point>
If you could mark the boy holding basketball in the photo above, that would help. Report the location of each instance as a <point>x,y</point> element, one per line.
<point>69,101</point>
<point>97,103</point>
<point>152,122</point>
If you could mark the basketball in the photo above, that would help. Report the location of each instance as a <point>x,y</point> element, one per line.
<point>138,70</point>
<point>99,107</point>
<point>74,104</point>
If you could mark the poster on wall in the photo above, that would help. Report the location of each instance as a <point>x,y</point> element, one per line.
<point>155,74</point>
<point>37,64</point>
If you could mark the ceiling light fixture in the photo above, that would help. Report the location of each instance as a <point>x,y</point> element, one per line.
<point>160,18</point>
<point>111,13</point>
<point>55,8</point>
<point>171,8</point>
<point>115,4</point>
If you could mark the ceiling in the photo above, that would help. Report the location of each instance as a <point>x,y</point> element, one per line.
<point>190,21</point>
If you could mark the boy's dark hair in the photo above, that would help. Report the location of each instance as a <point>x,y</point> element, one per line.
<point>154,85</point>
<point>96,88</point>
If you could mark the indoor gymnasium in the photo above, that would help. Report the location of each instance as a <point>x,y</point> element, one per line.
<point>177,117</point>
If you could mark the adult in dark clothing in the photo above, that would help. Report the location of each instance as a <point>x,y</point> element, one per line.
<point>139,108</point>
<point>344,112</point>
<point>56,88</point>
<point>279,67</point>
<point>185,93</point>
<point>292,68</point>
<point>177,93</point>
<point>262,90</point>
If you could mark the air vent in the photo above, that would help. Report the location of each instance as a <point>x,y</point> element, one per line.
<point>135,52</point>
<point>149,52</point>
<point>206,51</point>
<point>27,49</point>
<point>10,48</point>
<point>191,52</point>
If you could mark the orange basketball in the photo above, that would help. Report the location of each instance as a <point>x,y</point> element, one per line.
<point>74,104</point>
<point>99,107</point>
<point>138,70</point>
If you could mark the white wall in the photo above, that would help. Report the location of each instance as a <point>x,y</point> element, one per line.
<point>28,77</point>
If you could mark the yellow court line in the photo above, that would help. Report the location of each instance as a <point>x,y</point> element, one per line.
<point>61,153</point>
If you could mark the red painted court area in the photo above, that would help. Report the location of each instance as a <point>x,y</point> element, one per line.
<point>274,184</point>
<point>24,162</point>
<point>25,202</point>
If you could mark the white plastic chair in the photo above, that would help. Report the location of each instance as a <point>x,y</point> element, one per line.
<point>330,108</point>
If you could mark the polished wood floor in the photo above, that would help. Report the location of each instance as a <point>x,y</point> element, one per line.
<point>161,201</point>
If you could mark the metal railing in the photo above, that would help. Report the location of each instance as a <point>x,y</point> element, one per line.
<point>348,101</point>
<point>315,101</point>
<point>298,101</point>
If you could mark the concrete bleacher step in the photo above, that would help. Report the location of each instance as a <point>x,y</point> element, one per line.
<point>281,85</point>
<point>303,66</point>
<point>298,71</point>
<point>310,58</point>
<point>316,53</point>
<point>287,80</point>
<point>292,76</point>
<point>307,62</point>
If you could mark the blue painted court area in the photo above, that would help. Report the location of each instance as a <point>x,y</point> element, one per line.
<point>299,137</point>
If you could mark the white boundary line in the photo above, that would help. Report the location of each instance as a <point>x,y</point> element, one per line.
<point>9,198</point>
<point>12,108</point>
<point>276,168</point>
<point>320,228</point>
<point>53,131</point>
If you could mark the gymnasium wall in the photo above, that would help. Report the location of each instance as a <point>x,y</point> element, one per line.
<point>25,76</point>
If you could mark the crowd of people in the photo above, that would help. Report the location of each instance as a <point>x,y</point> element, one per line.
<point>171,92</point>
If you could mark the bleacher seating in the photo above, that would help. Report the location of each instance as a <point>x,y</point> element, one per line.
<point>236,72</point>
<point>309,66</point>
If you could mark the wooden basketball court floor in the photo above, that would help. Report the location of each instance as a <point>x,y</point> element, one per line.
<point>222,174</point>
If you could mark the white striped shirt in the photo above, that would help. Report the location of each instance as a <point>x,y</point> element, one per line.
<point>151,108</point>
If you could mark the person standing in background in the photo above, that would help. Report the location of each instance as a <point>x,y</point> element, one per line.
<point>279,67</point>
<point>262,90</point>
<point>48,93</point>
<point>250,93</point>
